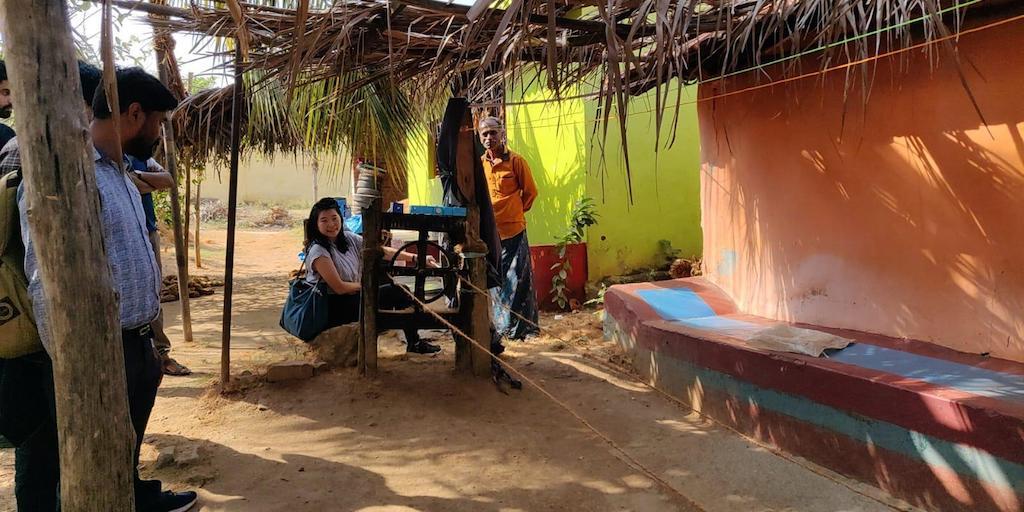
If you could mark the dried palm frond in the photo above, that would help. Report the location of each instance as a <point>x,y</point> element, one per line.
<point>364,52</point>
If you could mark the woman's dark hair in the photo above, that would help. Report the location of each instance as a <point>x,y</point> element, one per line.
<point>313,235</point>
<point>134,85</point>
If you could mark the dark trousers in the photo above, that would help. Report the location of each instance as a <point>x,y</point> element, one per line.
<point>28,420</point>
<point>37,463</point>
<point>344,309</point>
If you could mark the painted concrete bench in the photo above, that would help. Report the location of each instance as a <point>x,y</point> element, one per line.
<point>941,429</point>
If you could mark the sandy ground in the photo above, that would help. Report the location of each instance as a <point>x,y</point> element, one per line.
<point>420,438</point>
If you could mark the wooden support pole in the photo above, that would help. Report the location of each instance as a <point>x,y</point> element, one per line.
<point>171,155</point>
<point>229,257</point>
<point>187,166</point>
<point>372,254</point>
<point>199,218</point>
<point>477,314</point>
<point>95,435</point>
<point>186,220</point>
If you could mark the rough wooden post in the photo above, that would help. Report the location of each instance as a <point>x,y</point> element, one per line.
<point>477,317</point>
<point>163,43</point>
<point>372,254</point>
<point>96,438</point>
<point>229,257</point>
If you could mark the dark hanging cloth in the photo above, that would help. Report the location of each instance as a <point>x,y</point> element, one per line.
<point>447,156</point>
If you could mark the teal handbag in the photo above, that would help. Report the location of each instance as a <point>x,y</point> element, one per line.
<point>305,313</point>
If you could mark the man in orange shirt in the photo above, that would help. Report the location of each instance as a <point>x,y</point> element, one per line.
<point>512,191</point>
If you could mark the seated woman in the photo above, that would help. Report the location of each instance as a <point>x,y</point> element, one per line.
<point>335,256</point>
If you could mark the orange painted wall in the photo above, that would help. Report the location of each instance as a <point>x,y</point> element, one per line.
<point>906,220</point>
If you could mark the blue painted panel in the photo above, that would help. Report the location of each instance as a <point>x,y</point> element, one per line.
<point>676,303</point>
<point>718,323</point>
<point>940,372</point>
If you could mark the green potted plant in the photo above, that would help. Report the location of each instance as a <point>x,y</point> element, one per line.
<point>567,282</point>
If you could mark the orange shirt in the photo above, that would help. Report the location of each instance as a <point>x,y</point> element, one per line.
<point>512,189</point>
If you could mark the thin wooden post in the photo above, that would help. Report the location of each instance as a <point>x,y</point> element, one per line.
<point>199,217</point>
<point>162,42</point>
<point>187,165</point>
<point>186,220</point>
<point>94,432</point>
<point>229,258</point>
<point>372,253</point>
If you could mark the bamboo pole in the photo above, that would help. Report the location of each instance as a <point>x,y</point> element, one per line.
<point>229,259</point>
<point>187,219</point>
<point>188,183</point>
<point>163,44</point>
<point>199,186</point>
<point>94,432</point>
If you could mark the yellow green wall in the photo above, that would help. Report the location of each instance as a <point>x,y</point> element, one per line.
<point>563,147</point>
<point>665,184</point>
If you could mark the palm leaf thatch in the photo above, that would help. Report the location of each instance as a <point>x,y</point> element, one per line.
<point>635,45</point>
<point>427,49</point>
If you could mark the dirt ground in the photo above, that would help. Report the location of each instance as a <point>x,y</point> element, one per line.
<point>420,438</point>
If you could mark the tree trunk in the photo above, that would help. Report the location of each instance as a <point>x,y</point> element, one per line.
<point>96,438</point>
<point>316,187</point>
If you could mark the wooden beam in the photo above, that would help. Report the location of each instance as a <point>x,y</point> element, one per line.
<point>229,258</point>
<point>94,432</point>
<point>594,27</point>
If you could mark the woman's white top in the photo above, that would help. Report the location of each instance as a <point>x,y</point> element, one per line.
<point>348,263</point>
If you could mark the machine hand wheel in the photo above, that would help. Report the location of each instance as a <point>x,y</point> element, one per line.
<point>447,269</point>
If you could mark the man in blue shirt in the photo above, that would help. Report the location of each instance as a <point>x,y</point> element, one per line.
<point>143,106</point>
<point>149,177</point>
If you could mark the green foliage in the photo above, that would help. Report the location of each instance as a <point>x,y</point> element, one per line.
<point>129,49</point>
<point>201,83</point>
<point>583,216</point>
<point>162,206</point>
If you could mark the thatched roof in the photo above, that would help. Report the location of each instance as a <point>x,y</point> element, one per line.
<point>636,44</point>
<point>428,49</point>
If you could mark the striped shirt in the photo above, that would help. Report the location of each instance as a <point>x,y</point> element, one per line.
<point>130,256</point>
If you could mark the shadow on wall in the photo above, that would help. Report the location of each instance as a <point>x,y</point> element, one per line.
<point>665,182</point>
<point>571,158</point>
<point>556,153</point>
<point>904,220</point>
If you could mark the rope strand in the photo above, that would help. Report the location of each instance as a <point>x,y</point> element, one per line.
<point>771,449</point>
<point>628,459</point>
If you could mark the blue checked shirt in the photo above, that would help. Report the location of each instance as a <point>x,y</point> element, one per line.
<point>129,253</point>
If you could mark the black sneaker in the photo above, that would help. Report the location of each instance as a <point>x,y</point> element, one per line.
<point>171,501</point>
<point>422,347</point>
